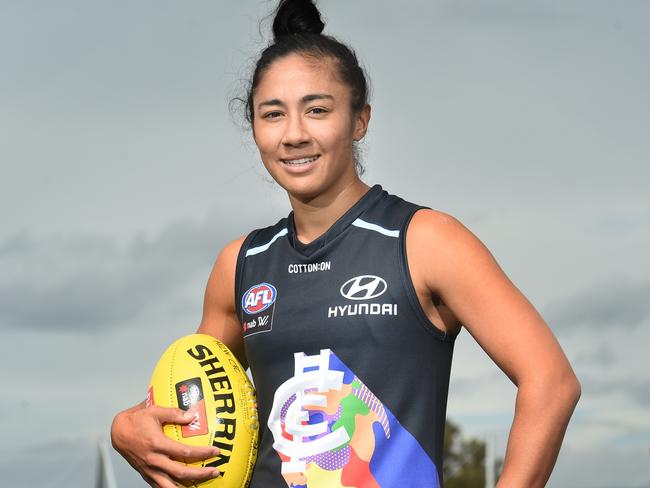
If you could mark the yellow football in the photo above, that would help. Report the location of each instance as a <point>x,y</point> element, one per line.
<point>200,373</point>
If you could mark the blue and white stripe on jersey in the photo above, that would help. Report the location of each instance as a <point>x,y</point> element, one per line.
<point>377,228</point>
<point>256,250</point>
<point>357,223</point>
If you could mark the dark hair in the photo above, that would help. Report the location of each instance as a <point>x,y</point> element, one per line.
<point>297,29</point>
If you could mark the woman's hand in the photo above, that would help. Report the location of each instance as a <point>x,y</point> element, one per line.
<point>137,435</point>
<point>137,432</point>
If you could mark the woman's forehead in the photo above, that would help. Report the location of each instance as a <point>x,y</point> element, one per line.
<point>294,76</point>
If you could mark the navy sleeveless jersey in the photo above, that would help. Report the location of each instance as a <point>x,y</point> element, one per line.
<point>351,376</point>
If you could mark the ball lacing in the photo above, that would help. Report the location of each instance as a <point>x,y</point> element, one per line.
<point>252,406</point>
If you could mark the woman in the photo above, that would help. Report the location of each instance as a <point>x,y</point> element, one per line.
<point>347,310</point>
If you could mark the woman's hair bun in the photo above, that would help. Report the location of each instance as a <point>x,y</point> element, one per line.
<point>296,17</point>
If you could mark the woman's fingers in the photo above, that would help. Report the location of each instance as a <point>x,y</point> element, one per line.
<point>180,471</point>
<point>183,452</point>
<point>138,436</point>
<point>167,415</point>
<point>159,480</point>
<point>168,451</point>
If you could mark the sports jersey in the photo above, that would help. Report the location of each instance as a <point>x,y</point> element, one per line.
<point>351,376</point>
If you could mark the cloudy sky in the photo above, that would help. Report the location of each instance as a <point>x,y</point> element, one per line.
<point>123,173</point>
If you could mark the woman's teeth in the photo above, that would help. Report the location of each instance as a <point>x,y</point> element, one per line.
<point>300,161</point>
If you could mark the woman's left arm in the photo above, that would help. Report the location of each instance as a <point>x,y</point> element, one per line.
<point>462,272</point>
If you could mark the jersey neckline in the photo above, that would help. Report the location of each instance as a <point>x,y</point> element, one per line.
<point>343,222</point>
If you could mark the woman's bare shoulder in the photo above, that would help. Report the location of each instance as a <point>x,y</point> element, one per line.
<point>445,231</point>
<point>447,251</point>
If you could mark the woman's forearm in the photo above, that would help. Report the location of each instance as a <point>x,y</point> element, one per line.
<point>542,412</point>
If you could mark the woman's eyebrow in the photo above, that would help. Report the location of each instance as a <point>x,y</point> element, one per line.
<point>307,98</point>
<point>316,96</point>
<point>272,102</point>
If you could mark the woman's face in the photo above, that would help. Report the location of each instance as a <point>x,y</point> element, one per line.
<point>304,127</point>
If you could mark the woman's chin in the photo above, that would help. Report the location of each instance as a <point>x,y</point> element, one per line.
<point>303,189</point>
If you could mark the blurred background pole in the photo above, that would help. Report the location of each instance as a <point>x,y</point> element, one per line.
<point>105,474</point>
<point>489,460</point>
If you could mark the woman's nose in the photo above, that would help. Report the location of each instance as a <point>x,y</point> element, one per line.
<point>295,131</point>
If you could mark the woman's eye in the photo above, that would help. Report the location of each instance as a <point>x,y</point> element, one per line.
<point>272,115</point>
<point>318,110</point>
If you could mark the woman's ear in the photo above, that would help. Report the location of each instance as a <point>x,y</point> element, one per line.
<point>361,121</point>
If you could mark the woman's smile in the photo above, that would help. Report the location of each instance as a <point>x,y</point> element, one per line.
<point>301,161</point>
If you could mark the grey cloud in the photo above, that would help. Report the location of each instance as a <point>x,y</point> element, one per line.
<point>627,221</point>
<point>508,11</point>
<point>467,387</point>
<point>620,466</point>
<point>617,303</point>
<point>59,462</point>
<point>636,389</point>
<point>87,282</point>
<point>602,355</point>
<point>70,462</point>
<point>640,391</point>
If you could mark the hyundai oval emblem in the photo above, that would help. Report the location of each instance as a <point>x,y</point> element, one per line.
<point>364,287</point>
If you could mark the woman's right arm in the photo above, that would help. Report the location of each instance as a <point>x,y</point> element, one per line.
<point>137,433</point>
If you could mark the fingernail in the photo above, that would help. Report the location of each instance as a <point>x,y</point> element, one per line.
<point>216,473</point>
<point>216,451</point>
<point>188,414</point>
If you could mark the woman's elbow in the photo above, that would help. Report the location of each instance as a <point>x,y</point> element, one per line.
<point>575,389</point>
<point>558,386</point>
<point>568,390</point>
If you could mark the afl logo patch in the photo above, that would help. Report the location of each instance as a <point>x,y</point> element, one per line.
<point>258,298</point>
<point>364,287</point>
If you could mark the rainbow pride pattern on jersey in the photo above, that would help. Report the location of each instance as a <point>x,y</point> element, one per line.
<point>331,431</point>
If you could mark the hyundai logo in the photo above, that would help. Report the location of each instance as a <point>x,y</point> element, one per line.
<point>364,287</point>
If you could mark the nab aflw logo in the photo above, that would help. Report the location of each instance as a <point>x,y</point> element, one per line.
<point>364,287</point>
<point>257,306</point>
<point>296,436</point>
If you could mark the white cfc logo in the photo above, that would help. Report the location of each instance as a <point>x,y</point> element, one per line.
<point>311,372</point>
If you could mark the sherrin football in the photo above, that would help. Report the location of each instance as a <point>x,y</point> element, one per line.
<point>200,372</point>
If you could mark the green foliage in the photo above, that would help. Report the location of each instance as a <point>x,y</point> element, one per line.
<point>464,460</point>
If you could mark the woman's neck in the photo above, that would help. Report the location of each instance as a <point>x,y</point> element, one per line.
<point>312,218</point>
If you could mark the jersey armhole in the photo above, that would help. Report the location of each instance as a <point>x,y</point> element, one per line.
<point>239,272</point>
<point>424,321</point>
